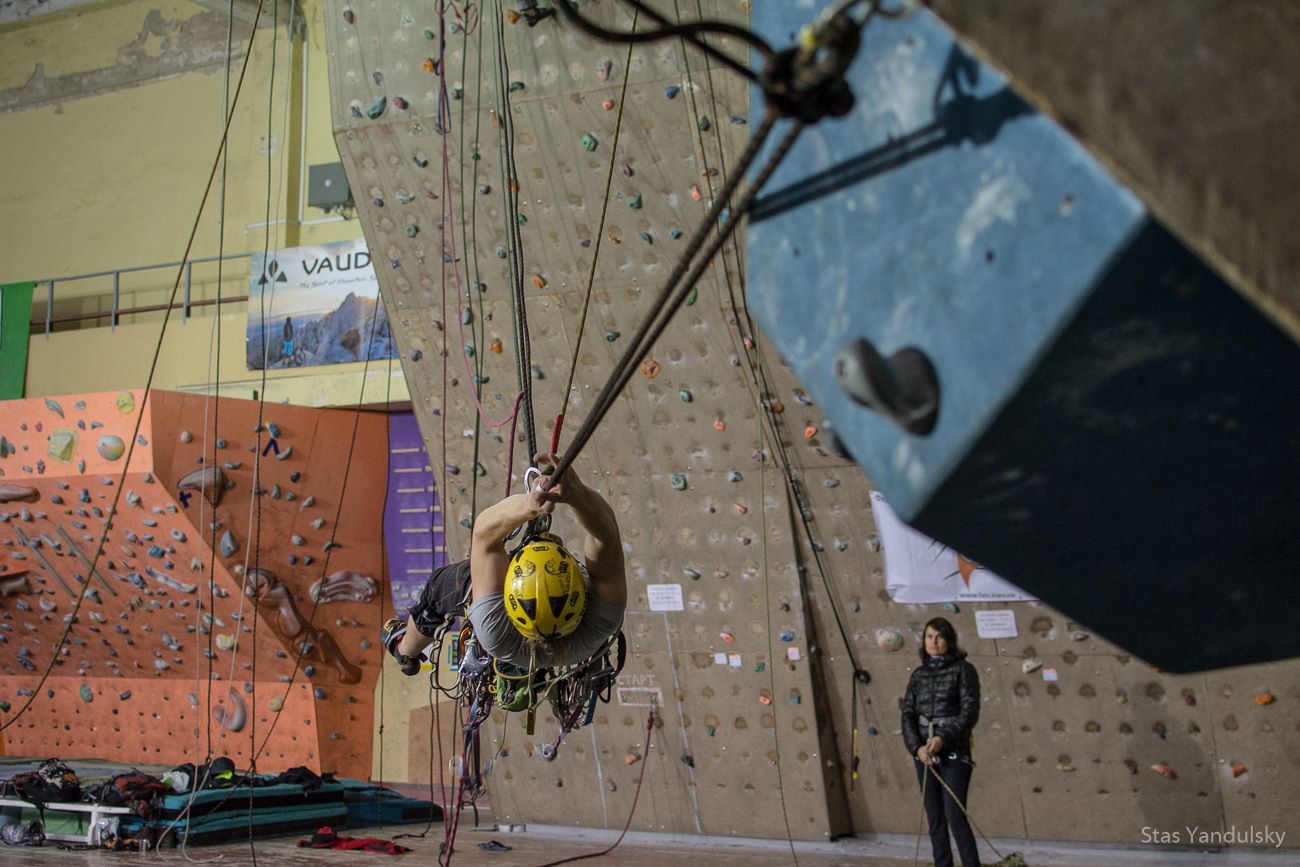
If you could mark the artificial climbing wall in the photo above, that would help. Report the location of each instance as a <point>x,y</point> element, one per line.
<point>751,678</point>
<point>230,553</point>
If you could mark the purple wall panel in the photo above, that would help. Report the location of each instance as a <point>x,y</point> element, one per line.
<point>413,535</point>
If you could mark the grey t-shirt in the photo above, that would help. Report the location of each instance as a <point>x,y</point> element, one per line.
<point>498,636</point>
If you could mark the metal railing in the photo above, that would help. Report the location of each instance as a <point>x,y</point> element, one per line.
<point>116,312</point>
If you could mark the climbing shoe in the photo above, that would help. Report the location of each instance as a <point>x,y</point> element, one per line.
<point>391,635</point>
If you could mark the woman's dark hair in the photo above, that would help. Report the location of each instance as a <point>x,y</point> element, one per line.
<point>947,633</point>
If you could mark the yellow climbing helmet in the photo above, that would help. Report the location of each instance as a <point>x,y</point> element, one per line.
<point>546,591</point>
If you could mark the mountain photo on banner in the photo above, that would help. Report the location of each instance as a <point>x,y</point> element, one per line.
<point>920,569</point>
<point>315,305</point>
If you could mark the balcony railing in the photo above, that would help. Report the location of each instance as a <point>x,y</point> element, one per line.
<point>116,311</point>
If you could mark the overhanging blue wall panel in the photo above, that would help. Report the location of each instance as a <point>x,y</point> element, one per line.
<point>1118,432</point>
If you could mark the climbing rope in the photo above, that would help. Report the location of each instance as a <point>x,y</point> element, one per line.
<point>600,227</point>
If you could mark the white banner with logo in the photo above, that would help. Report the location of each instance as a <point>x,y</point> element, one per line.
<point>919,569</point>
<point>315,305</point>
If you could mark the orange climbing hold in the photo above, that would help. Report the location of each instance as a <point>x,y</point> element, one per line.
<point>429,65</point>
<point>809,432</point>
<point>1238,769</point>
<point>1264,698</point>
<point>539,281</point>
<point>1165,771</point>
<point>512,16</point>
<point>607,104</point>
<point>495,345</point>
<point>650,368</point>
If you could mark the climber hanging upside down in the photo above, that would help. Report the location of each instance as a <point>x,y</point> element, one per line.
<point>537,607</point>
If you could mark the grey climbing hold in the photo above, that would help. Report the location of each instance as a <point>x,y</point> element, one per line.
<point>296,539</point>
<point>376,108</point>
<point>678,481</point>
<point>635,202</point>
<point>734,476</point>
<point>53,406</point>
<point>284,455</point>
<point>228,545</point>
<point>178,535</point>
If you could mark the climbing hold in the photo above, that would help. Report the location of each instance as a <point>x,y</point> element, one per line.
<point>178,535</point>
<point>889,639</point>
<point>685,395</point>
<point>429,64</point>
<point>703,123</point>
<point>738,119</point>
<point>650,368</point>
<point>1078,636</point>
<point>951,607</point>
<point>53,406</point>
<point>674,233</point>
<point>787,636</point>
<point>233,714</point>
<point>635,202</point>
<point>607,104</point>
<point>710,731</point>
<point>401,103</point>
<point>671,91</point>
<point>376,108</point>
<point>678,481</point>
<point>1237,768</point>
<point>1165,771</point>
<point>62,444</point>
<point>727,637</point>
<point>228,545</point>
<point>1189,698</point>
<point>495,345</point>
<point>539,281</point>
<point>764,699</point>
<point>276,704</point>
<point>412,230</point>
<point>1030,665</point>
<point>734,476</point>
<point>611,336</point>
<point>692,574</point>
<point>87,694</point>
<point>349,16</point>
<point>696,195</point>
<point>688,760</point>
<point>719,425</point>
<point>515,86</point>
<point>1264,698</point>
<point>588,142</point>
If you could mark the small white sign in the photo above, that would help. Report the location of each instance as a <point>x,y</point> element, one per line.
<point>665,597</point>
<point>637,696</point>
<point>1049,675</point>
<point>1000,623</point>
<point>792,654</point>
<point>733,659</point>
<point>720,658</point>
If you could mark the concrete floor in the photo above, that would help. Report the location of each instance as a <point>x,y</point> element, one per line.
<point>540,845</point>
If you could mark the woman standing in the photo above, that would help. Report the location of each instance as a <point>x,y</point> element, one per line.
<point>940,710</point>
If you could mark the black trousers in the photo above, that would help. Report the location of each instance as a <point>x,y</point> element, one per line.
<point>944,814</point>
<point>443,595</point>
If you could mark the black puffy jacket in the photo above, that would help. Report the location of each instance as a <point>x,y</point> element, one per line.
<point>947,693</point>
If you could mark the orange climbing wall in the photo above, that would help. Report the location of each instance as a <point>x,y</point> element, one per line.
<point>690,465</point>
<point>133,681</point>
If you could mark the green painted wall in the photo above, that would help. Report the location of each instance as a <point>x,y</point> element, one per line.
<point>15,310</point>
